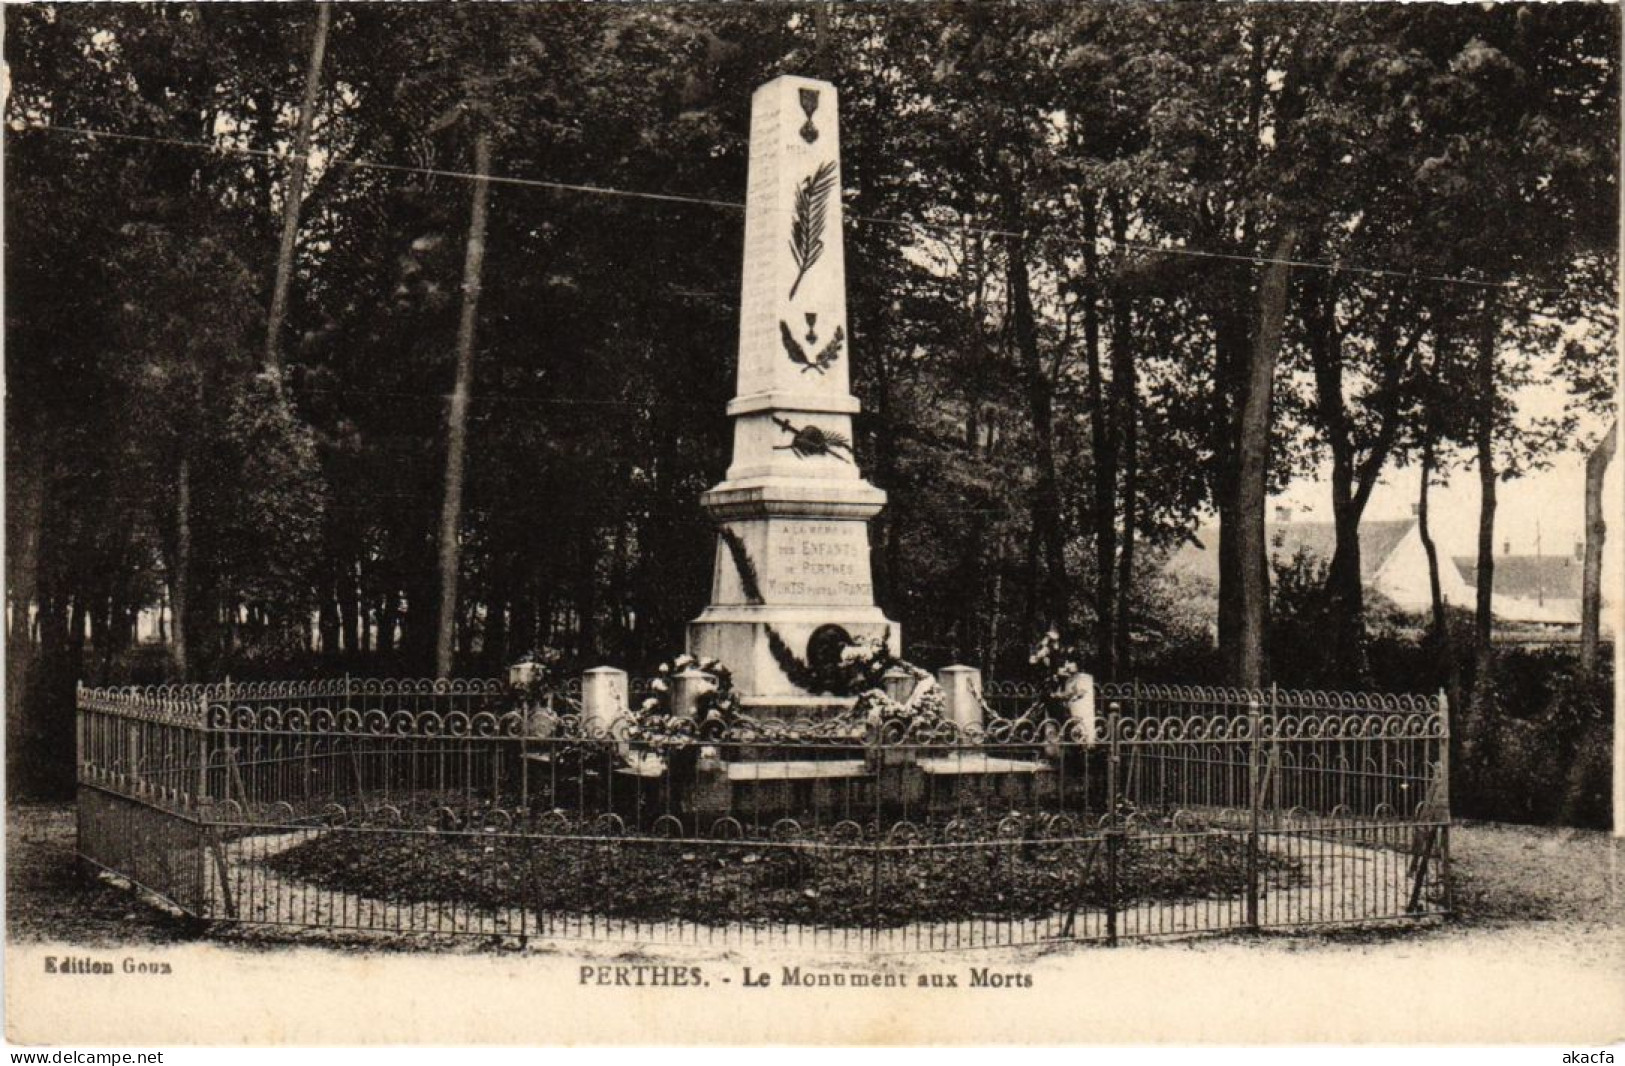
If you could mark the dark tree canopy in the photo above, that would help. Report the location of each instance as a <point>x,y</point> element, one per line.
<point>1052,403</point>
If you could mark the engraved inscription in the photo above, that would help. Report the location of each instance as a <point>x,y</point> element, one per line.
<point>820,562</point>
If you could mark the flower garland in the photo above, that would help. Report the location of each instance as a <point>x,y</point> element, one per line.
<point>749,583</point>
<point>862,670</point>
<point>927,703</point>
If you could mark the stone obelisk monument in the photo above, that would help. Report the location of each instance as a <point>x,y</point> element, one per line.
<point>793,512</point>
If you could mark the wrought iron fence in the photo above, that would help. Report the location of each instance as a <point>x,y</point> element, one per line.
<point>457,807</point>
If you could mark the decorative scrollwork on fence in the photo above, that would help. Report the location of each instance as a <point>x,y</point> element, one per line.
<point>481,724</point>
<point>1131,714</point>
<point>164,704</point>
<point>1210,728</point>
<point>1135,697</point>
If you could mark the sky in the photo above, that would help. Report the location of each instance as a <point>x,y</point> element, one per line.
<point>1548,504</point>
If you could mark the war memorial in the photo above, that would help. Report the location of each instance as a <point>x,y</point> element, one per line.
<point>791,775</point>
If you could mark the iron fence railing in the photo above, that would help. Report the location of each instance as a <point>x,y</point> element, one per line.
<point>461,807</point>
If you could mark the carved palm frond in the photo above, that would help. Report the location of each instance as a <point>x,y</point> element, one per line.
<point>792,347</point>
<point>807,224</point>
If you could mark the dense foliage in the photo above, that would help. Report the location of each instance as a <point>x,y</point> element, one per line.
<point>1050,402</point>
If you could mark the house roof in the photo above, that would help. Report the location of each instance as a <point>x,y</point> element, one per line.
<point>1318,540</point>
<point>1529,577</point>
<point>1315,540</point>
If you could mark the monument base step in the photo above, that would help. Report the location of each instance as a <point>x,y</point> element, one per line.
<point>797,770</point>
<point>952,765</point>
<point>795,708</point>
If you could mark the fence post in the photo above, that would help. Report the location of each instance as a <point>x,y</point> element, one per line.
<point>1114,838</point>
<point>1114,824</point>
<point>1114,756</point>
<point>1444,800</point>
<point>78,732</point>
<point>874,882</point>
<point>1273,776</point>
<point>1254,719</point>
<point>962,687</point>
<point>203,745</point>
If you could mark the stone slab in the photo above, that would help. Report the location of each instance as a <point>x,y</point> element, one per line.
<point>952,765</point>
<point>797,770</point>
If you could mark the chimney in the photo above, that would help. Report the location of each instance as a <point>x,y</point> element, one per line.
<point>1579,551</point>
<point>1506,547</point>
<point>1416,510</point>
<point>1283,514</point>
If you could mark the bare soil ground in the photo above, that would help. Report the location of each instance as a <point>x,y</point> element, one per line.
<point>48,897</point>
<point>1562,883</point>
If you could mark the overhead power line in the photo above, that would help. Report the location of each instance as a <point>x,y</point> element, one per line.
<point>985,229</point>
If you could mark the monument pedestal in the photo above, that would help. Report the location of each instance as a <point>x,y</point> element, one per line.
<point>743,638</point>
<point>792,557</point>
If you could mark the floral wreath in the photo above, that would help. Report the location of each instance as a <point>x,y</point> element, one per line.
<point>864,664</point>
<point>656,722</point>
<point>1061,661</point>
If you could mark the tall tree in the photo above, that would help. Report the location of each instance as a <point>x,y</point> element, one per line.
<point>1596,532</point>
<point>293,194</point>
<point>457,413</point>
<point>1252,475</point>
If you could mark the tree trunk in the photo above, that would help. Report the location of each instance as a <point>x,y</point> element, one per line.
<point>1475,721</point>
<point>619,567</point>
<point>180,574</point>
<point>1345,596</point>
<point>1102,427</point>
<point>584,597</point>
<point>1232,345</point>
<point>349,603</point>
<point>389,616</point>
<point>457,419</point>
<point>327,622</point>
<point>1252,480</point>
<point>1443,639</point>
<point>1596,533</point>
<point>1047,549</point>
<point>494,640</point>
<point>494,633</point>
<point>77,619</point>
<point>522,627</point>
<point>29,484</point>
<point>1229,610</point>
<point>1441,626</point>
<point>1484,440</point>
<point>1123,654</point>
<point>1126,432</point>
<point>995,621</point>
<point>294,196</point>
